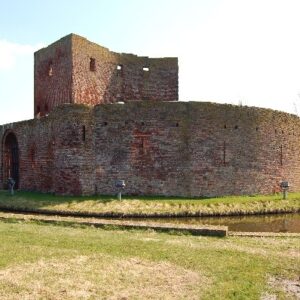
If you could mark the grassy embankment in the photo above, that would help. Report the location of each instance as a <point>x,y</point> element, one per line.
<point>54,262</point>
<point>151,206</point>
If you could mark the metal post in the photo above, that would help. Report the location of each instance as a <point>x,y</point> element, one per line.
<point>120,185</point>
<point>285,193</point>
<point>11,184</point>
<point>285,187</point>
<point>12,190</point>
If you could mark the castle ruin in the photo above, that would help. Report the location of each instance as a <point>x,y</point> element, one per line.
<point>102,116</point>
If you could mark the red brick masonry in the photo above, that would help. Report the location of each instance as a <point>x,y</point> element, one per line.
<point>159,146</point>
<point>75,70</point>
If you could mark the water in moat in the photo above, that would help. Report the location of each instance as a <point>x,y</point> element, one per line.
<point>262,223</point>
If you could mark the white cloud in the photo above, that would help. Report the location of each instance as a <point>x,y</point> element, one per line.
<point>9,52</point>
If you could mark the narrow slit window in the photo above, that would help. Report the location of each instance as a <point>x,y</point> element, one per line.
<point>50,69</point>
<point>83,133</point>
<point>92,64</point>
<point>32,155</point>
<point>146,69</point>
<point>281,155</point>
<point>224,153</point>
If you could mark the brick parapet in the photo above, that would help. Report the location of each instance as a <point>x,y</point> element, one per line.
<point>159,148</point>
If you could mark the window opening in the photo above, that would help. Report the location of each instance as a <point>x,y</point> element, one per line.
<point>224,153</point>
<point>50,69</point>
<point>92,64</point>
<point>83,133</point>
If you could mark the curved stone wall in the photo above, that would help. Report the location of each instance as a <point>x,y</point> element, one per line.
<point>159,148</point>
<point>196,149</point>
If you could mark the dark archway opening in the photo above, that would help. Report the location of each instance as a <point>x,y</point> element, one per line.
<point>10,159</point>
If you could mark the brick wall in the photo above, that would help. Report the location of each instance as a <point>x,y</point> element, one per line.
<point>52,76</point>
<point>160,148</point>
<point>54,152</point>
<point>75,70</point>
<point>102,76</point>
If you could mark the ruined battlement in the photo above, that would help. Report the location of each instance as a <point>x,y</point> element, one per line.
<point>75,70</point>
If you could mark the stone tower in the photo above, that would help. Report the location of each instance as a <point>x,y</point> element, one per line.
<point>75,70</point>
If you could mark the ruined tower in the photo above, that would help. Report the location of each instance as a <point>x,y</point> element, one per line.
<point>75,70</point>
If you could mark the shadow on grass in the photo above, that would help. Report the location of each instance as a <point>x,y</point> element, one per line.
<point>29,201</point>
<point>42,199</point>
<point>146,206</point>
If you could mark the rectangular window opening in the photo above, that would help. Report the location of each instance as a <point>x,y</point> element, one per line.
<point>50,69</point>
<point>83,133</point>
<point>224,153</point>
<point>92,64</point>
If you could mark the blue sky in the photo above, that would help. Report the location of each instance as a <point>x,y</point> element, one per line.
<point>230,51</point>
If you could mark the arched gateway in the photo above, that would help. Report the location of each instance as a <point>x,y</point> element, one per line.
<point>10,158</point>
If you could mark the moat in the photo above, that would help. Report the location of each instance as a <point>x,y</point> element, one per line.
<point>263,223</point>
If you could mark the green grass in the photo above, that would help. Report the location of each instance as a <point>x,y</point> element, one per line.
<point>55,262</point>
<point>152,206</point>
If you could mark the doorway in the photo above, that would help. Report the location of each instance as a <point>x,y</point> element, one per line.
<point>10,159</point>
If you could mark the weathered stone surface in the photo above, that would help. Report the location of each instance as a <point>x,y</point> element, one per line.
<point>158,148</point>
<point>75,70</point>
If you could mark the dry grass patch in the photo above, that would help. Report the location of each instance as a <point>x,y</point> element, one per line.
<point>41,261</point>
<point>286,288</point>
<point>100,276</point>
<point>275,247</point>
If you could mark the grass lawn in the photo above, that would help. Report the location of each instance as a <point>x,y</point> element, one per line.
<point>149,206</point>
<point>55,262</point>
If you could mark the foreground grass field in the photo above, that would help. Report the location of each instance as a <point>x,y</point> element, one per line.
<point>54,262</point>
<point>151,206</point>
